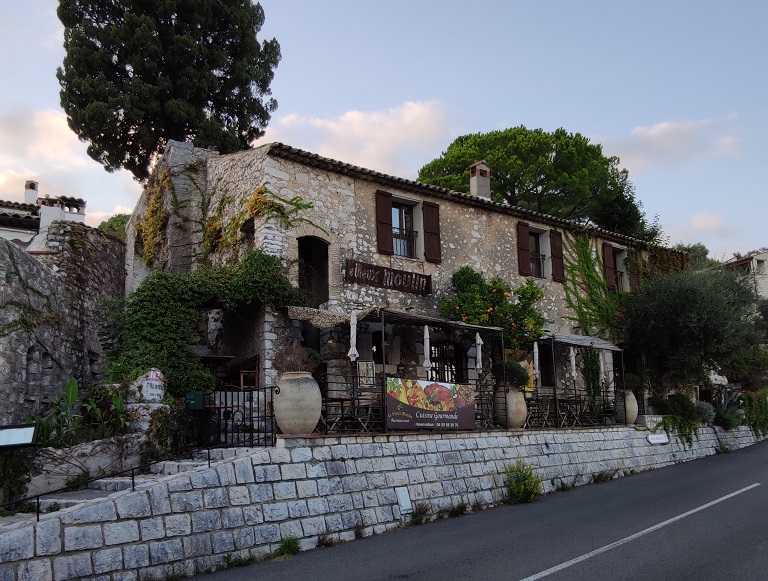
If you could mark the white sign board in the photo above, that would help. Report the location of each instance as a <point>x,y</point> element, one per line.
<point>658,438</point>
<point>12,436</point>
<point>149,387</point>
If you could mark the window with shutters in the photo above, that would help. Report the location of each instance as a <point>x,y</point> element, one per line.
<point>540,252</point>
<point>620,268</point>
<point>407,228</point>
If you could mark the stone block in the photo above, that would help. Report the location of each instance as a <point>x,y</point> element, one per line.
<point>275,511</point>
<point>152,528</point>
<point>243,471</point>
<point>215,498</point>
<point>197,545</point>
<point>180,484</point>
<point>306,488</point>
<point>159,499</point>
<point>119,533</point>
<point>135,556</point>
<point>291,528</point>
<point>261,493</point>
<point>232,518</point>
<point>48,537</point>
<point>253,515</point>
<point>301,455</point>
<point>207,478</point>
<point>204,521</point>
<point>186,501</point>
<point>317,506</point>
<point>107,560</point>
<point>166,551</point>
<point>284,490</point>
<point>82,538</point>
<point>226,474</point>
<point>298,509</point>
<point>222,542</point>
<point>267,533</point>
<point>293,471</point>
<point>37,570</point>
<point>72,567</point>
<point>243,538</point>
<point>178,524</point>
<point>98,512</point>
<point>133,505</point>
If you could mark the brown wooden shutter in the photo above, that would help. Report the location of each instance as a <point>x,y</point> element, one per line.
<point>431,213</point>
<point>556,248</point>
<point>384,223</point>
<point>610,266</point>
<point>634,270</point>
<point>523,249</point>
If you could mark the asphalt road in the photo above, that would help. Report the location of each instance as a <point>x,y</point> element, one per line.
<point>703,520</point>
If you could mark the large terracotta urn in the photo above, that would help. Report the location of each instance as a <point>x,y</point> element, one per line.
<point>511,409</point>
<point>626,407</point>
<point>297,402</point>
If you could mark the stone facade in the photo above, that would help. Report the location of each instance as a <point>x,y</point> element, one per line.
<point>193,522</point>
<point>50,313</point>
<point>342,225</point>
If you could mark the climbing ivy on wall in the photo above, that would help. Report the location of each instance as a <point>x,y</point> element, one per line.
<point>152,225</point>
<point>263,204</point>
<point>153,326</point>
<point>595,306</point>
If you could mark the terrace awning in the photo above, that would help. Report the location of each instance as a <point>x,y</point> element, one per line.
<point>582,341</point>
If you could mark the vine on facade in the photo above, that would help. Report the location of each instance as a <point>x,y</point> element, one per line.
<point>596,307</point>
<point>152,225</point>
<point>263,204</point>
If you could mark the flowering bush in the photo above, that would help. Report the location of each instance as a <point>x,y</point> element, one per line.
<point>491,304</point>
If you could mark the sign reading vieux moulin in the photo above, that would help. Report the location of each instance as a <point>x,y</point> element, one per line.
<point>389,278</point>
<point>437,406</point>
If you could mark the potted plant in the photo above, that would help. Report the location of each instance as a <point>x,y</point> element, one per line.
<point>297,401</point>
<point>509,400</point>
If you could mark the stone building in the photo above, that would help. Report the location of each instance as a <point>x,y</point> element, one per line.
<point>370,241</point>
<point>21,222</point>
<point>51,312</point>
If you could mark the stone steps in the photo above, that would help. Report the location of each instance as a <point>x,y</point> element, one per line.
<point>105,486</point>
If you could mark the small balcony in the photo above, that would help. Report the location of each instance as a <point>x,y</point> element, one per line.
<point>404,242</point>
<point>537,265</point>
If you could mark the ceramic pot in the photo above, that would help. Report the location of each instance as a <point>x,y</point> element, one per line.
<point>297,402</point>
<point>626,413</point>
<point>511,409</point>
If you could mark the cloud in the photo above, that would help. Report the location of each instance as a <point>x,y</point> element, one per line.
<point>394,141</point>
<point>38,145</point>
<point>675,143</point>
<point>713,230</point>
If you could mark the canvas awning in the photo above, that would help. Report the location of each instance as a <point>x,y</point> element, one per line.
<point>582,341</point>
<point>329,319</point>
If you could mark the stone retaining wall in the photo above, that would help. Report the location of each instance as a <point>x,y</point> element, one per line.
<point>342,486</point>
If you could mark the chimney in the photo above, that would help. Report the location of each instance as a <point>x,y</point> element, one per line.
<point>480,180</point>
<point>30,192</point>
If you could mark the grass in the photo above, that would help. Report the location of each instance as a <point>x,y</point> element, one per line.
<point>289,546</point>
<point>420,513</point>
<point>326,540</point>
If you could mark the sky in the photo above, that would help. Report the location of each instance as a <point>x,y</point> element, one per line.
<point>677,90</point>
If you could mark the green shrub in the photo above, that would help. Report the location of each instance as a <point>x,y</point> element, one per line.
<point>756,411</point>
<point>728,421</point>
<point>705,412</point>
<point>289,546</point>
<point>512,372</point>
<point>523,485</point>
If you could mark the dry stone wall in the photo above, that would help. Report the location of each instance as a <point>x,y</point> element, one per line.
<point>50,313</point>
<point>193,522</point>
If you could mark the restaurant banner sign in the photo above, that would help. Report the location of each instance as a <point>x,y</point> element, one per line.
<point>389,278</point>
<point>418,404</point>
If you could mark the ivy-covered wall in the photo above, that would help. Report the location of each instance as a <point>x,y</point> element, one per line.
<point>50,313</point>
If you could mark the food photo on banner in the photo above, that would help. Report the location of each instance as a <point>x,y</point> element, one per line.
<point>413,404</point>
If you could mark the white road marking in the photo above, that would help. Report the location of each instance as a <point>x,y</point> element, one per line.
<point>637,535</point>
